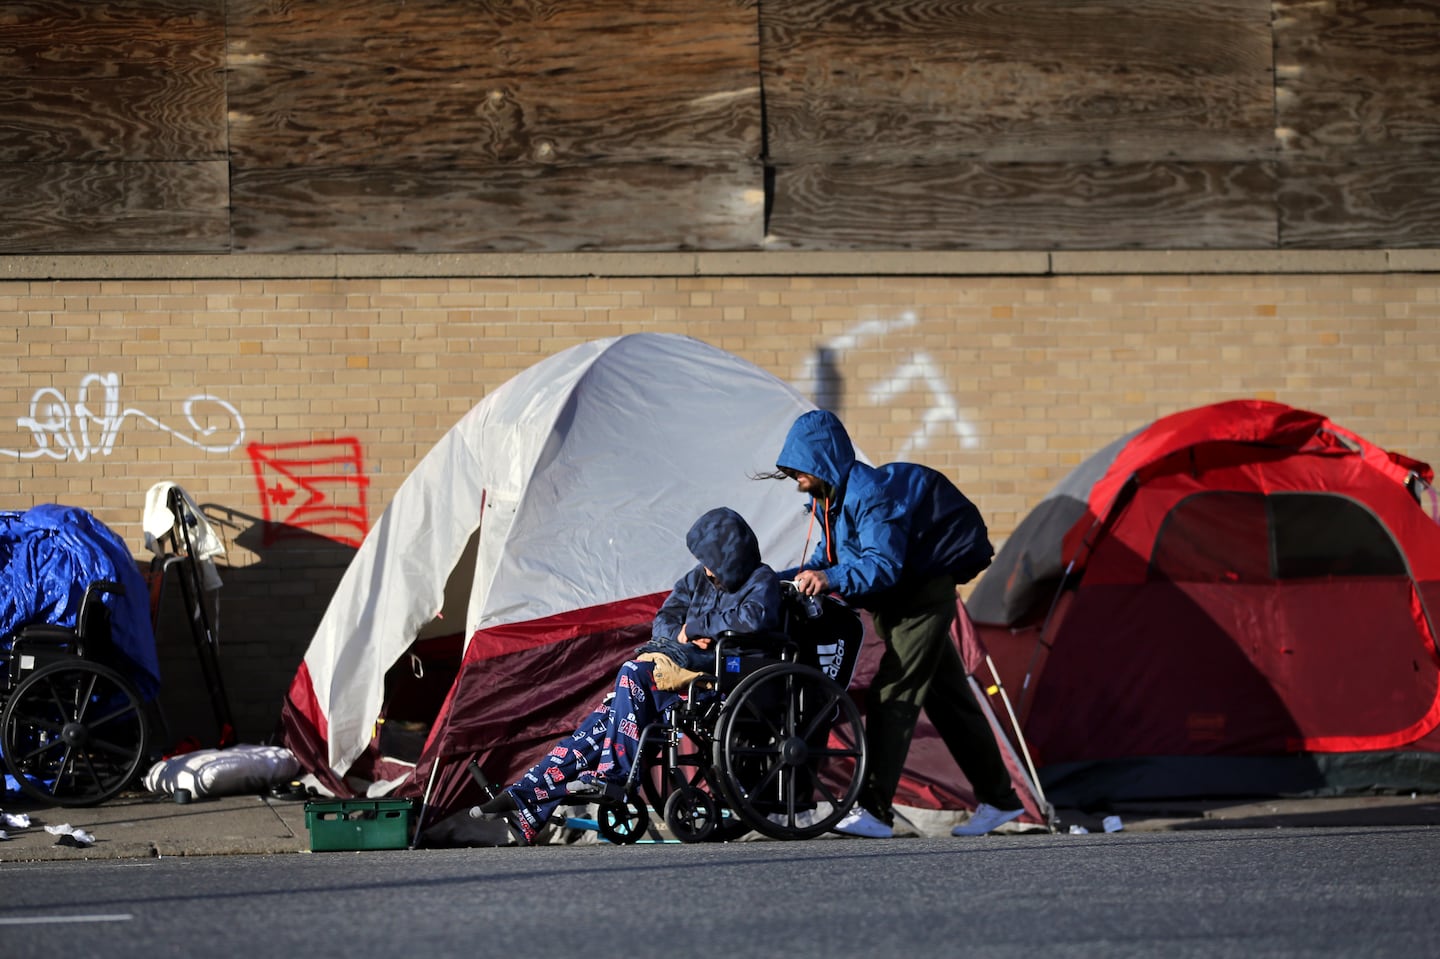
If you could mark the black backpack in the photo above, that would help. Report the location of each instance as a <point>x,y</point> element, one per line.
<point>946,530</point>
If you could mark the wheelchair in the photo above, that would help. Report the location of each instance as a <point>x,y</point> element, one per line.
<point>770,741</point>
<point>74,731</point>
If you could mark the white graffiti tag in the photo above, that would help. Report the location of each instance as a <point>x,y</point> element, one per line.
<point>820,381</point>
<point>61,429</point>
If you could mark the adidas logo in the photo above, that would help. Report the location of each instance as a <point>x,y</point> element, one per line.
<point>831,657</point>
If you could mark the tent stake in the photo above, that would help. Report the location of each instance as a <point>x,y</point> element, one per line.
<point>1019,736</point>
<point>424,803</point>
<point>1004,742</point>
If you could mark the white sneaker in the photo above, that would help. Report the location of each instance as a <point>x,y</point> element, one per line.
<point>860,822</point>
<point>986,818</point>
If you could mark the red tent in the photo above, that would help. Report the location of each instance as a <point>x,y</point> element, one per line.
<point>1234,600</point>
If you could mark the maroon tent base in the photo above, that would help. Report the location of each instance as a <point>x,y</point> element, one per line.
<point>525,687</point>
<point>1306,775</point>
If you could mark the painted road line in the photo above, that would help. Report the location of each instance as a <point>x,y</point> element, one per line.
<point>38,920</point>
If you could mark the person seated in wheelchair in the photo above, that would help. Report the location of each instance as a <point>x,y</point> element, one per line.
<point>730,589</point>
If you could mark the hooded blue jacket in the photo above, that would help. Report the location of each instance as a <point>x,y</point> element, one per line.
<point>746,601</point>
<point>881,526</point>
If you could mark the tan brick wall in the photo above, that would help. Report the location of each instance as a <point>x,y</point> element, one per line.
<point>1005,382</point>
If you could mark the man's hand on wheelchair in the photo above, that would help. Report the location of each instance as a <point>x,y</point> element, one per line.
<point>812,582</point>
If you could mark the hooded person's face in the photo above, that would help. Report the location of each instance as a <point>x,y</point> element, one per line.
<point>805,482</point>
<point>725,546</point>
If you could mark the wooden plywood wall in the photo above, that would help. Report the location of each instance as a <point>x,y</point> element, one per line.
<point>1357,112</point>
<point>1027,124</point>
<point>444,126</point>
<point>525,125</point>
<point>112,127</point>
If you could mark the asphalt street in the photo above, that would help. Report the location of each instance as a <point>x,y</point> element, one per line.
<point>143,825</point>
<point>1343,892</point>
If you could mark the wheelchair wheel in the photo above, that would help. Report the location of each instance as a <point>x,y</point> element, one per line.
<point>790,751</point>
<point>691,814</point>
<point>622,822</point>
<point>694,773</point>
<point>74,733</point>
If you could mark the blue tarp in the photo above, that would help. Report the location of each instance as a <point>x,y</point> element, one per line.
<point>48,555</point>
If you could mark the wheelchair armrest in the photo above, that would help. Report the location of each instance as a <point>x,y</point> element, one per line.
<point>699,684</point>
<point>765,639</point>
<point>773,642</point>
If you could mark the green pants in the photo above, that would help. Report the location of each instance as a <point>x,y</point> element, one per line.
<point>921,669</point>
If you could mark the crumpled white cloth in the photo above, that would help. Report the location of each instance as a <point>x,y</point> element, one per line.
<point>65,829</point>
<point>158,520</point>
<point>15,820</point>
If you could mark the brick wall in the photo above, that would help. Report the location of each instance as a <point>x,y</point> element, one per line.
<point>110,385</point>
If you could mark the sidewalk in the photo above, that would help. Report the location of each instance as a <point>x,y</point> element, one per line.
<point>143,826</point>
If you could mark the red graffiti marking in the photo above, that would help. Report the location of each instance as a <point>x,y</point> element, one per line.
<point>326,481</point>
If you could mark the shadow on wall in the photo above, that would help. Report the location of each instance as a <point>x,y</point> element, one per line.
<point>262,619</point>
<point>829,385</point>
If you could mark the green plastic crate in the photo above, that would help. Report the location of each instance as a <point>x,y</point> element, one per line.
<point>344,824</point>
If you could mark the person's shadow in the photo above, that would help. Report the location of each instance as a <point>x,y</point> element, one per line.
<point>261,619</point>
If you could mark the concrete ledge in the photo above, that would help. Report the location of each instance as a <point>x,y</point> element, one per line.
<point>1246,261</point>
<point>875,263</point>
<point>1414,261</point>
<point>1222,261</point>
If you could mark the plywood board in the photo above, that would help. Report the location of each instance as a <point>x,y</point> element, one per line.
<point>924,81</point>
<point>523,84</point>
<point>1360,74</point>
<point>112,81</point>
<point>1384,198</point>
<point>628,206</point>
<point>114,207</point>
<point>1025,206</point>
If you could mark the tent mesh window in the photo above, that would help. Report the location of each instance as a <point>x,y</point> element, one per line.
<point>1230,537</point>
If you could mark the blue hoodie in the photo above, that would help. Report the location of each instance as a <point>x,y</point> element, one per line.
<point>881,526</point>
<point>746,601</point>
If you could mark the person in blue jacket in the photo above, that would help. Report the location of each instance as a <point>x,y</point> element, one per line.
<point>730,589</point>
<point>896,540</point>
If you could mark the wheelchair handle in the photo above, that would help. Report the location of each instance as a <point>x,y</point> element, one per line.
<point>97,588</point>
<point>810,604</point>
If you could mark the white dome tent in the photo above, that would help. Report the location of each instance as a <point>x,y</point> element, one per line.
<point>580,476</point>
